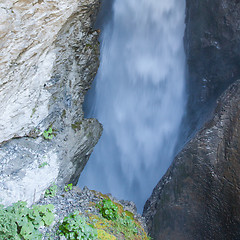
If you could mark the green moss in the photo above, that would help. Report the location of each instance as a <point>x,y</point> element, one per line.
<point>76,126</point>
<point>33,111</point>
<point>88,46</point>
<point>129,214</point>
<point>104,235</point>
<point>123,227</point>
<point>64,113</point>
<point>54,98</point>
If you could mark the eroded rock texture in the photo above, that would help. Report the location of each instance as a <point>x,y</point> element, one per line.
<point>199,196</point>
<point>48,59</point>
<point>212,44</point>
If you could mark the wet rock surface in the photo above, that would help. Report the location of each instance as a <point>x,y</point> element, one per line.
<point>49,57</point>
<point>212,40</point>
<point>199,196</point>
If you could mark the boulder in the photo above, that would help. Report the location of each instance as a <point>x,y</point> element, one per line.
<point>199,196</point>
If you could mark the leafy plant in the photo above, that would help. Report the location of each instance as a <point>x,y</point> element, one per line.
<point>75,226</point>
<point>51,191</point>
<point>68,187</point>
<point>48,134</point>
<point>43,165</point>
<point>45,212</point>
<point>127,223</point>
<point>19,222</point>
<point>108,209</point>
<point>8,226</point>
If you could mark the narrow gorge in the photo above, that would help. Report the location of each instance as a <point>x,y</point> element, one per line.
<point>198,197</point>
<point>153,84</point>
<point>138,97</point>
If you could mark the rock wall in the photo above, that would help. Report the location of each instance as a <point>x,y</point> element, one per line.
<point>212,48</point>
<point>199,196</point>
<point>49,57</point>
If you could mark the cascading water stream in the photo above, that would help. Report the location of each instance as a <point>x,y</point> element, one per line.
<point>138,97</point>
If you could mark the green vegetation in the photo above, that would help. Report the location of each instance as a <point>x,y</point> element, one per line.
<point>51,191</point>
<point>18,222</point>
<point>116,223</point>
<point>48,134</point>
<point>43,165</point>
<point>64,113</point>
<point>112,224</point>
<point>68,187</point>
<point>108,209</point>
<point>75,226</point>
<point>88,45</point>
<point>126,224</point>
<point>76,126</point>
<point>33,111</point>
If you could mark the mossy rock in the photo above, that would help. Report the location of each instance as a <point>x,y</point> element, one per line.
<point>76,126</point>
<point>104,235</point>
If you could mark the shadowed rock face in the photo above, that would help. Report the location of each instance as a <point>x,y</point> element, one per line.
<point>199,196</point>
<point>212,45</point>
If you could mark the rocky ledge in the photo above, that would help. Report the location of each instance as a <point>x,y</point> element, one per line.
<point>49,57</point>
<point>84,214</point>
<point>85,201</point>
<point>199,196</point>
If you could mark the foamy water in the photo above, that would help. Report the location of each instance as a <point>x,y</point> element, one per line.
<point>138,97</point>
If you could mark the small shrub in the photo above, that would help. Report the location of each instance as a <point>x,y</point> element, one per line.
<point>75,226</point>
<point>51,191</point>
<point>108,209</point>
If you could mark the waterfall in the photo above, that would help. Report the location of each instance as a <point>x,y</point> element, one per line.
<point>138,97</point>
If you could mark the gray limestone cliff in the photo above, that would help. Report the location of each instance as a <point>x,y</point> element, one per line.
<point>49,55</point>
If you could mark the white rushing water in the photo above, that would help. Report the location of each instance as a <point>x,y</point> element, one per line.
<point>138,97</point>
